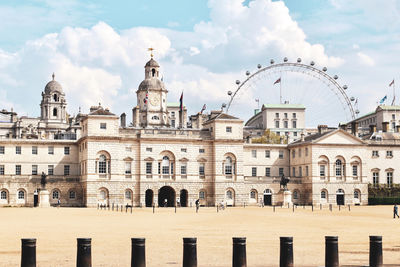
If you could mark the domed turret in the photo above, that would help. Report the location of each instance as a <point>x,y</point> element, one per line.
<point>53,103</point>
<point>53,86</point>
<point>152,63</point>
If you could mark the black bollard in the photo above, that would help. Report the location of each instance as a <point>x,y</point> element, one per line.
<point>117,207</point>
<point>189,252</point>
<point>304,206</point>
<point>153,208</point>
<point>84,252</point>
<point>112,207</point>
<point>330,207</point>
<point>175,209</point>
<point>138,257</point>
<point>97,205</point>
<point>293,208</point>
<point>131,208</point>
<point>274,208</point>
<point>286,252</point>
<point>288,205</point>
<point>375,251</point>
<point>349,207</point>
<point>239,252</point>
<point>217,208</point>
<point>28,252</point>
<point>108,205</point>
<point>339,207</point>
<point>331,251</point>
<point>312,207</point>
<point>122,208</point>
<point>320,206</point>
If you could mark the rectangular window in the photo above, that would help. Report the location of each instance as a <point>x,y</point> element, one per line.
<point>228,129</point>
<point>281,154</point>
<point>201,150</point>
<point>285,124</point>
<point>172,113</point>
<point>295,134</point>
<point>355,171</point>
<point>34,169</point>
<point>51,150</point>
<point>50,169</point>
<point>293,153</point>
<point>277,115</point>
<point>66,150</point>
<point>1,169</point>
<point>267,153</point>
<point>184,150</point>
<point>285,115</point>
<point>307,171</point>
<point>268,172</point>
<point>149,149</point>
<point>1,149</point>
<point>322,171</point>
<point>201,169</point>
<point>103,125</point>
<point>34,150</point>
<point>299,152</point>
<point>254,153</point>
<point>254,171</point>
<point>165,169</point>
<point>149,167</point>
<point>389,153</point>
<point>375,178</point>
<point>293,171</point>
<point>128,167</point>
<point>306,151</point>
<point>173,123</point>
<point>128,149</point>
<point>17,169</point>
<point>375,153</point>
<point>294,115</point>
<point>202,195</point>
<point>389,177</point>
<point>18,150</point>
<point>280,171</point>
<point>393,116</point>
<point>66,169</point>
<point>294,124</point>
<point>183,169</point>
<point>276,124</point>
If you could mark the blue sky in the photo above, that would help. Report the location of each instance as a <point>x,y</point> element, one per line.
<point>98,48</point>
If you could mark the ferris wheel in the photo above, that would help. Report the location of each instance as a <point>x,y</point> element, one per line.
<point>325,100</point>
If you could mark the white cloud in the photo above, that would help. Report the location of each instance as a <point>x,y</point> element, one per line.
<point>365,59</point>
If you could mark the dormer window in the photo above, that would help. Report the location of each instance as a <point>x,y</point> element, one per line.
<point>55,97</point>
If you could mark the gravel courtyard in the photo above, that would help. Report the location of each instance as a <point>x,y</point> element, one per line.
<point>56,231</point>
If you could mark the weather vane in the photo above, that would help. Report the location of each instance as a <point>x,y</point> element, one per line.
<point>151,49</point>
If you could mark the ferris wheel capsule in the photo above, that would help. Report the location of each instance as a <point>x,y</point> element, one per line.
<point>357,111</point>
<point>335,77</point>
<point>229,92</point>
<point>352,98</point>
<point>298,60</point>
<point>237,82</point>
<point>344,87</point>
<point>259,66</point>
<point>324,69</point>
<point>312,63</point>
<point>285,59</point>
<point>272,61</point>
<point>247,73</point>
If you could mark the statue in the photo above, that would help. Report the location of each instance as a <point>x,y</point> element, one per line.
<point>43,180</point>
<point>284,182</point>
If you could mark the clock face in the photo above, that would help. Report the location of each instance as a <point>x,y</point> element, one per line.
<point>154,100</point>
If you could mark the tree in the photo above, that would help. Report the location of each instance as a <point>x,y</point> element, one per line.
<point>269,137</point>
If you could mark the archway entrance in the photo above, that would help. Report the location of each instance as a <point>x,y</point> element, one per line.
<point>267,197</point>
<point>166,197</point>
<point>340,197</point>
<point>184,197</point>
<point>149,198</point>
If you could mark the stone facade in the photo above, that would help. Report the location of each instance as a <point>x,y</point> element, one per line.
<point>95,159</point>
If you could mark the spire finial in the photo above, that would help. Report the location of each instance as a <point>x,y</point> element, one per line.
<point>53,76</point>
<point>151,49</point>
<point>79,109</point>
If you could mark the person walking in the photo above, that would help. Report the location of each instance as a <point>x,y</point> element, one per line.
<point>197,205</point>
<point>395,212</point>
<point>58,203</point>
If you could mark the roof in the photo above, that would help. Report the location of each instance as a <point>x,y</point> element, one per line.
<point>284,106</point>
<point>218,115</point>
<point>173,104</point>
<point>152,63</point>
<point>384,107</point>
<point>102,111</point>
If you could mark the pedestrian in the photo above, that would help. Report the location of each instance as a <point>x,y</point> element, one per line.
<point>58,202</point>
<point>395,212</point>
<point>165,203</point>
<point>197,205</point>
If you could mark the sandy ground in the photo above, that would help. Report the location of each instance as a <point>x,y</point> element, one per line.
<point>56,231</point>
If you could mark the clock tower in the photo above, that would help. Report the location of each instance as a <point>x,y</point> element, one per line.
<point>152,98</point>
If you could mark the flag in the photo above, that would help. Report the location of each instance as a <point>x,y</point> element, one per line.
<point>383,99</point>
<point>391,83</point>
<point>277,81</point>
<point>203,108</point>
<point>181,103</point>
<point>146,98</point>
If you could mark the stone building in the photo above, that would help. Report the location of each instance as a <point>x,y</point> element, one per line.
<point>161,158</point>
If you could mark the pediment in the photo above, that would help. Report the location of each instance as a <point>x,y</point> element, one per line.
<point>201,160</point>
<point>183,159</point>
<point>339,137</point>
<point>149,159</point>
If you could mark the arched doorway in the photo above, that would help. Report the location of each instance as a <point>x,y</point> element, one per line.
<point>183,198</point>
<point>340,197</point>
<point>267,197</point>
<point>166,197</point>
<point>149,198</point>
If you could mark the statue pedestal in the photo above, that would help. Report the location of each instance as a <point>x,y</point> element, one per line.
<point>44,197</point>
<point>287,197</point>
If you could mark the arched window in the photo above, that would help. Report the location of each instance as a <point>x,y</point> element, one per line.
<point>202,194</point>
<point>165,165</point>
<point>356,194</point>
<point>72,194</point>
<point>323,194</point>
<point>103,194</point>
<point>153,72</point>
<point>55,97</point>
<point>228,166</point>
<point>102,164</point>
<point>295,194</point>
<point>128,194</point>
<point>253,194</point>
<point>55,112</point>
<point>340,191</point>
<point>229,194</point>
<point>3,194</point>
<point>338,168</point>
<point>56,194</point>
<point>21,194</point>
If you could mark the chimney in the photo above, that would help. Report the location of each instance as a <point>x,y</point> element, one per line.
<point>385,126</point>
<point>123,120</point>
<point>322,129</point>
<point>354,128</point>
<point>397,128</point>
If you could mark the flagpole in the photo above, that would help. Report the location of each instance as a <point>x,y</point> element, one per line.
<point>280,91</point>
